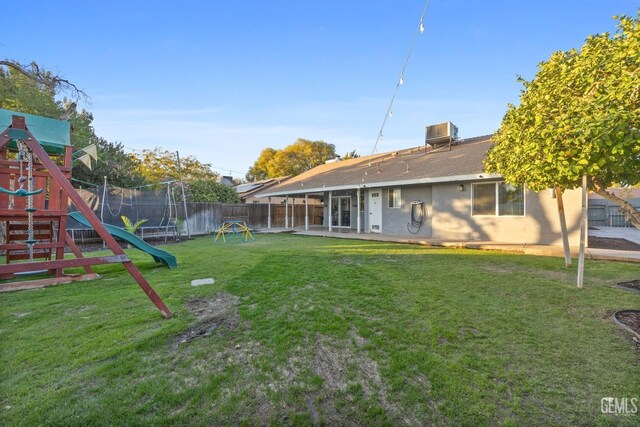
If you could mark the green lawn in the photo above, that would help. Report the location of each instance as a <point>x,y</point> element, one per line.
<point>303,330</point>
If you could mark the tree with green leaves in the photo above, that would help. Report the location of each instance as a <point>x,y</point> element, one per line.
<point>350,155</point>
<point>580,115</point>
<point>19,93</point>
<point>159,165</point>
<point>31,89</point>
<point>212,191</point>
<point>117,165</point>
<point>201,183</point>
<point>43,79</point>
<point>293,160</point>
<point>263,168</point>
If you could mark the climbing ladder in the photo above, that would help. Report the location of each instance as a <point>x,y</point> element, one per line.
<point>36,207</point>
<point>18,231</point>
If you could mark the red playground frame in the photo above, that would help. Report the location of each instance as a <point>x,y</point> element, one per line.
<point>35,218</point>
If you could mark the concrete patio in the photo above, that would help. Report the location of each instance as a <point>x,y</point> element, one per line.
<point>630,234</point>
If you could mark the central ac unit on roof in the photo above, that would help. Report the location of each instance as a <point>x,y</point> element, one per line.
<point>441,134</point>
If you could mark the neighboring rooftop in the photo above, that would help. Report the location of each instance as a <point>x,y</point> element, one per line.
<point>250,188</point>
<point>623,193</point>
<point>404,167</point>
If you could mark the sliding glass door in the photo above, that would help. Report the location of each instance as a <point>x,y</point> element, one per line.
<point>341,212</point>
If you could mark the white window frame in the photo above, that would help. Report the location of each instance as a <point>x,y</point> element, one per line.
<point>397,197</point>
<point>496,211</point>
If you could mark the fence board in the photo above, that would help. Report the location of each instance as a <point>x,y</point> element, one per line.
<point>603,212</point>
<point>204,218</point>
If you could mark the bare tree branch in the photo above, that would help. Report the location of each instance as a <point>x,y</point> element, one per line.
<point>46,78</point>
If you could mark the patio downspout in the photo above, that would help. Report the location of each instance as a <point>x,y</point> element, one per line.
<point>306,212</point>
<point>330,219</point>
<point>269,214</point>
<point>358,210</point>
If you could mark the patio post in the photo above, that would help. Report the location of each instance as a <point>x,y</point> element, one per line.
<point>329,212</point>
<point>286,212</point>
<point>269,214</point>
<point>306,212</point>
<point>358,210</point>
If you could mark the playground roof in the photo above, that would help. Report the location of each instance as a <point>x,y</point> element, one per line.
<point>52,134</point>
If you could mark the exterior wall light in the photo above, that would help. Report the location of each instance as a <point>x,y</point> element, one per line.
<point>461,187</point>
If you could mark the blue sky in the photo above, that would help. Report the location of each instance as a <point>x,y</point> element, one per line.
<point>221,80</point>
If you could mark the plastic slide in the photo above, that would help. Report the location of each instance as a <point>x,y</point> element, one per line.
<point>158,255</point>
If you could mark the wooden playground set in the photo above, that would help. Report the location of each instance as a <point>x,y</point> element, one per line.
<point>35,191</point>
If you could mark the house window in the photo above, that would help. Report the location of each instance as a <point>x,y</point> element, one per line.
<point>510,199</point>
<point>497,198</point>
<point>394,197</point>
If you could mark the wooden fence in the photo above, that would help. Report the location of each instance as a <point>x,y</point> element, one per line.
<point>607,214</point>
<point>204,218</point>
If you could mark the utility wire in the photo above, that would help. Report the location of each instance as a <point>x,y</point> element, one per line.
<point>389,112</point>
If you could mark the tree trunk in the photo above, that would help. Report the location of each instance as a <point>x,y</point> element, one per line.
<point>583,232</point>
<point>630,213</point>
<point>563,228</point>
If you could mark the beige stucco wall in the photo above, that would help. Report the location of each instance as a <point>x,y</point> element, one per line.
<point>540,225</point>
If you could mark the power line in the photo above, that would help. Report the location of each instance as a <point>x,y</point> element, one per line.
<point>389,112</point>
<point>227,170</point>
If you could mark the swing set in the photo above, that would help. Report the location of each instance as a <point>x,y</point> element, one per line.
<point>35,189</point>
<point>165,227</point>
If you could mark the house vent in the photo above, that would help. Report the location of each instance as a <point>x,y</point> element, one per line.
<point>441,134</point>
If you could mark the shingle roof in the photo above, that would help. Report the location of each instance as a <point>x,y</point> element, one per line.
<point>624,193</point>
<point>403,167</point>
<point>249,188</point>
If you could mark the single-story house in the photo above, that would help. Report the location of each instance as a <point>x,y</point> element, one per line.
<point>248,190</point>
<point>432,191</point>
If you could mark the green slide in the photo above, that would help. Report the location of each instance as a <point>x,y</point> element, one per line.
<point>158,254</point>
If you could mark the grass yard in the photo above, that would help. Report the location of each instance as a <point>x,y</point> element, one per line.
<point>302,330</point>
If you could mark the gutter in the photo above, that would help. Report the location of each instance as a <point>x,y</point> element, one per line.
<point>455,178</point>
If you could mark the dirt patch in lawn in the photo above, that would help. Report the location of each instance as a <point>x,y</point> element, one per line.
<point>632,285</point>
<point>212,314</point>
<point>613,243</point>
<point>630,319</point>
<point>343,367</point>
